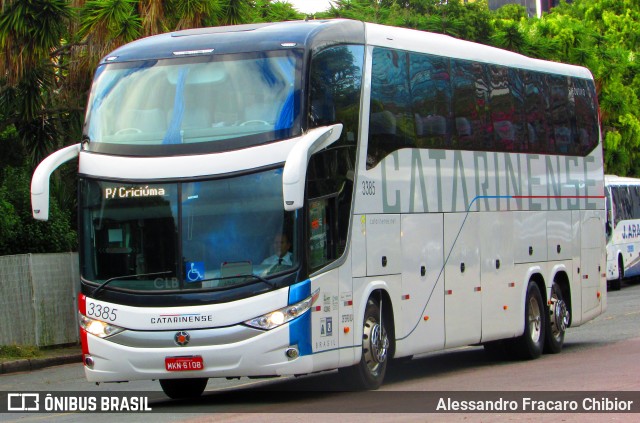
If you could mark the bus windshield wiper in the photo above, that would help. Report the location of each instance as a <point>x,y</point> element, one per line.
<point>137,275</point>
<point>249,275</point>
<point>261,279</point>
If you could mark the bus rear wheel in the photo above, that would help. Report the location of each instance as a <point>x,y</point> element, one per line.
<point>369,372</point>
<point>557,322</point>
<point>531,344</point>
<point>183,388</point>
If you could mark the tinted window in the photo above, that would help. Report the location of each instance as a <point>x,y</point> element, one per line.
<point>506,105</point>
<point>336,80</point>
<point>391,121</point>
<point>470,104</point>
<point>536,105</point>
<point>559,112</point>
<point>435,102</point>
<point>431,100</point>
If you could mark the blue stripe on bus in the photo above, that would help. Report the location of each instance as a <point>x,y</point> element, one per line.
<point>300,328</point>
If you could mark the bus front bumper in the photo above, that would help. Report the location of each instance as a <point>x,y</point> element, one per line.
<point>222,352</point>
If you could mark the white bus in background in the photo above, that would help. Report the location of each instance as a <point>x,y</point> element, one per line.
<point>287,198</point>
<point>622,228</point>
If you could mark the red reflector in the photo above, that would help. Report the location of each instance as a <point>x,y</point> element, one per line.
<point>512,285</point>
<point>318,308</point>
<point>477,289</point>
<point>449,292</point>
<point>406,297</point>
<point>585,276</point>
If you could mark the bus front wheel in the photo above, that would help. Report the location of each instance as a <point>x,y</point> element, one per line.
<point>183,388</point>
<point>369,372</point>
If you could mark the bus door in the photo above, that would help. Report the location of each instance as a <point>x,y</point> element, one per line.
<point>330,191</point>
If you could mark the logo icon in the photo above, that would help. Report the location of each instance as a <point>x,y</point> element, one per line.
<point>182,338</point>
<point>23,402</point>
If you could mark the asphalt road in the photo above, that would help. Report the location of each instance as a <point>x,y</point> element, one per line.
<point>602,356</point>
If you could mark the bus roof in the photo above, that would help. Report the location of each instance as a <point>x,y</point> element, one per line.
<point>241,39</point>
<point>447,46</point>
<point>620,180</point>
<point>316,34</point>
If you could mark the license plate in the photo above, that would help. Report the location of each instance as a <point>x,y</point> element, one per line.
<point>183,364</point>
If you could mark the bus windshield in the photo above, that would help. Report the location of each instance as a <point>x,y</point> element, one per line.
<point>193,235</point>
<point>195,100</point>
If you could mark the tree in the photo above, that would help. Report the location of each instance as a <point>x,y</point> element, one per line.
<point>20,233</point>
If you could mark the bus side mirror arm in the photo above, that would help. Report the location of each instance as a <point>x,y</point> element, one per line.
<point>40,180</point>
<point>295,168</point>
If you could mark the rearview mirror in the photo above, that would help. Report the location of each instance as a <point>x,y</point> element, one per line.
<point>295,168</point>
<point>40,180</point>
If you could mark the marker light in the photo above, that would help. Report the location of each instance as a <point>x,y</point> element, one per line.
<point>279,317</point>
<point>97,327</point>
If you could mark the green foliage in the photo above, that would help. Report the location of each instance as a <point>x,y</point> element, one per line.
<point>19,351</point>
<point>20,232</point>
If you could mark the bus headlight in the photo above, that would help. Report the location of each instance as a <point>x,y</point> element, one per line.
<point>98,327</point>
<point>286,314</point>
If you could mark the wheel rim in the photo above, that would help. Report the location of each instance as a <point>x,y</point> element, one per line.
<point>375,344</point>
<point>535,319</point>
<point>559,316</point>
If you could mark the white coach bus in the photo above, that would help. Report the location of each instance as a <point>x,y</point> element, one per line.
<point>622,229</point>
<point>287,198</point>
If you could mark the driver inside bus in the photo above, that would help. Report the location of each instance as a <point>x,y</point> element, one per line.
<point>282,256</point>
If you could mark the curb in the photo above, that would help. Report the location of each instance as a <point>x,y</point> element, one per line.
<point>38,363</point>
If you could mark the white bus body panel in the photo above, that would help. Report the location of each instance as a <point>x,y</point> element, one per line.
<point>463,293</point>
<point>501,286</point>
<point>384,254</point>
<point>592,270</point>
<point>559,235</point>
<point>152,168</point>
<point>422,298</point>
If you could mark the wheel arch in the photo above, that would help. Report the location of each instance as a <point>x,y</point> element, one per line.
<point>379,293</point>
<point>537,278</point>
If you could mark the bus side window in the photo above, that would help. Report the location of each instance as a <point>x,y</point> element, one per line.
<point>330,190</point>
<point>392,121</point>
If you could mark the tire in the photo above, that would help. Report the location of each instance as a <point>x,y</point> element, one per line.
<point>557,321</point>
<point>531,343</point>
<point>369,372</point>
<point>183,388</point>
<point>497,350</point>
<point>616,284</point>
